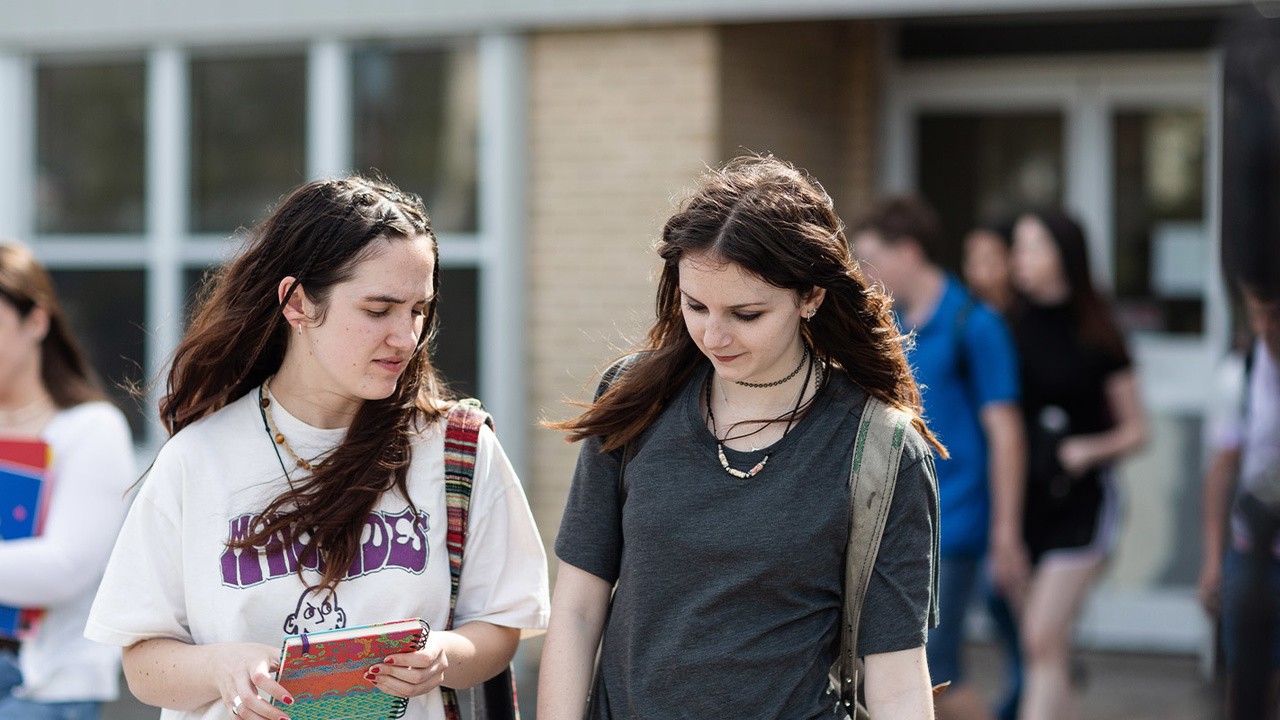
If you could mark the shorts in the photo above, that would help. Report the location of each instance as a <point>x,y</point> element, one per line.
<point>1081,524</point>
<point>957,579</point>
<point>1235,580</point>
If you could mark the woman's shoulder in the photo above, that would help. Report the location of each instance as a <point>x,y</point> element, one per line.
<point>224,425</point>
<point>95,419</point>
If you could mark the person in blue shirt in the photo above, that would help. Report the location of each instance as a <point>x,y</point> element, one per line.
<point>965,361</point>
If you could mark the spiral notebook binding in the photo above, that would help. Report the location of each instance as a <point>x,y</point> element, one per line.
<point>402,702</point>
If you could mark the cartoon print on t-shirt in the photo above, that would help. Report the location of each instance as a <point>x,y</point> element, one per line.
<point>387,540</point>
<point>317,610</point>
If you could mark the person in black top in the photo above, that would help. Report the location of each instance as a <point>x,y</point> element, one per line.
<point>1082,413</point>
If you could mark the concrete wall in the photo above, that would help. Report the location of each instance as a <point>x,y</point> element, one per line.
<point>619,121</point>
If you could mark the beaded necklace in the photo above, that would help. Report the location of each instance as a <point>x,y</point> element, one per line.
<point>791,419</point>
<point>277,437</point>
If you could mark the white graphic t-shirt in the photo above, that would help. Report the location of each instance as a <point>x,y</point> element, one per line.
<point>172,575</point>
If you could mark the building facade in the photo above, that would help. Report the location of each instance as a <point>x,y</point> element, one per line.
<point>549,139</point>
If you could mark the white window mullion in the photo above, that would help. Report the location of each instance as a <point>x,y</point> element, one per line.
<point>1089,174</point>
<point>17,147</point>
<point>502,371</point>
<point>167,193</point>
<point>329,109</point>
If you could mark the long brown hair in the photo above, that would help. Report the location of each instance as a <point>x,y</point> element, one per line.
<point>1095,322</point>
<point>64,370</point>
<point>318,234</point>
<point>772,220</point>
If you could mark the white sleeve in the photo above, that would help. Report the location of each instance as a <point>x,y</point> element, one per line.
<point>504,566</point>
<point>142,593</point>
<point>91,474</point>
<point>1225,426</point>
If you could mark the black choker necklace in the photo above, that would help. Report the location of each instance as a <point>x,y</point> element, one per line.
<point>803,356</point>
<point>791,419</point>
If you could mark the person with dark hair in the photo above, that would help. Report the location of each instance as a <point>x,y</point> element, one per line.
<point>965,359</point>
<point>1082,413</point>
<point>1240,570</point>
<point>307,454</point>
<point>49,391</point>
<point>704,540</point>
<point>988,272</point>
<point>986,266</point>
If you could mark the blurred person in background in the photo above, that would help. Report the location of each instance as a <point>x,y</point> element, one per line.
<point>964,358</point>
<point>988,271</point>
<point>1240,570</point>
<point>1245,438</point>
<point>1082,413</point>
<point>48,391</point>
<point>986,266</point>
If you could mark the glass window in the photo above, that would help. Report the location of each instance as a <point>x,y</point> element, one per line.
<point>985,167</point>
<point>1161,239</point>
<point>415,123</point>
<point>90,124</point>
<point>248,138</point>
<point>456,347</point>
<point>106,311</point>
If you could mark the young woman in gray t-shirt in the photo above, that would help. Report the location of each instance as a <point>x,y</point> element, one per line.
<point>710,574</point>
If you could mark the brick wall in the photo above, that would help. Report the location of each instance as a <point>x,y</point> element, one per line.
<point>619,121</point>
<point>806,92</point>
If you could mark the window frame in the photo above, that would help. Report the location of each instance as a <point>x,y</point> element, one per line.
<point>168,248</point>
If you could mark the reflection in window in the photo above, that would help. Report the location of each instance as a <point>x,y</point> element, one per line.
<point>106,309</point>
<point>415,123</point>
<point>248,138</point>
<point>1161,240</point>
<point>90,148</point>
<point>456,347</point>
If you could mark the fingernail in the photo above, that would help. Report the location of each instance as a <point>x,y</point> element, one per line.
<point>288,700</point>
<point>370,677</point>
<point>375,669</point>
<point>390,661</point>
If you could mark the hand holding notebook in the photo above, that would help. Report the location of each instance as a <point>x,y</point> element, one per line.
<point>328,673</point>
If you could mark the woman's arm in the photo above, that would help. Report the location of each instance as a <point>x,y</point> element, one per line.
<point>1006,468</point>
<point>897,685</point>
<point>1082,452</point>
<point>578,609</point>
<point>459,658</point>
<point>92,474</point>
<point>173,674</point>
<point>1218,484</point>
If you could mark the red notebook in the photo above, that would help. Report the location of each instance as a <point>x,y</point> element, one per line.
<point>25,489</point>
<point>325,671</point>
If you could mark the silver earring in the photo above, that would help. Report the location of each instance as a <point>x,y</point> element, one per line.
<point>809,315</point>
<point>299,328</point>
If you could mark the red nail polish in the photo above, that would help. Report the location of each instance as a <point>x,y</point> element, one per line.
<point>288,700</point>
<point>375,669</point>
<point>390,661</point>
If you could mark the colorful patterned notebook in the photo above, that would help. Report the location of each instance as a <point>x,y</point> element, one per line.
<point>24,502</point>
<point>324,671</point>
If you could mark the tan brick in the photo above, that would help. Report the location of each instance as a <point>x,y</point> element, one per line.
<point>619,121</point>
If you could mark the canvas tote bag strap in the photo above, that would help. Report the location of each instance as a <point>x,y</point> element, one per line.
<point>872,478</point>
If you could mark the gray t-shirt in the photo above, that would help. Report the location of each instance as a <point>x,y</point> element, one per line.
<point>728,592</point>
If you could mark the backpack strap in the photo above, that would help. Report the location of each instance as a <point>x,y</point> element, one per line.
<point>461,435</point>
<point>873,475</point>
<point>462,432</point>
